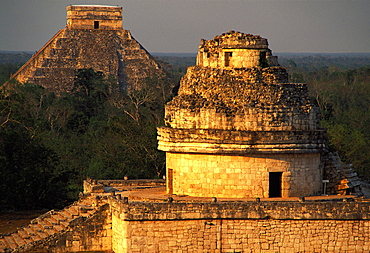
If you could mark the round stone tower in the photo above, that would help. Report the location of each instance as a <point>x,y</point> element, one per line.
<point>238,129</point>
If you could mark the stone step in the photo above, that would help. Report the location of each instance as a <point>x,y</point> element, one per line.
<point>45,224</point>
<point>18,239</point>
<point>39,231</point>
<point>26,237</point>
<point>87,202</point>
<point>52,220</point>
<point>59,228</point>
<point>50,231</point>
<point>73,210</point>
<point>3,244</point>
<point>86,212</point>
<point>60,217</point>
<point>32,233</point>
<point>10,241</point>
<point>64,224</point>
<point>65,214</point>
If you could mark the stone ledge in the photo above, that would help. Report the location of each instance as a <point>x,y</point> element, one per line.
<point>219,136</point>
<point>240,142</point>
<point>241,210</point>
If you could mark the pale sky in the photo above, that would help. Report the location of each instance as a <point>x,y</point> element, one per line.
<point>313,26</point>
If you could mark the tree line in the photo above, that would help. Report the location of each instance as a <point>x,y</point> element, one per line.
<point>49,144</point>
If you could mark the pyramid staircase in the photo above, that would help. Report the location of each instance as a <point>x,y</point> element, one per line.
<point>114,52</point>
<point>50,224</point>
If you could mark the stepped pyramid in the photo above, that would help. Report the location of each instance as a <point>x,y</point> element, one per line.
<point>93,38</point>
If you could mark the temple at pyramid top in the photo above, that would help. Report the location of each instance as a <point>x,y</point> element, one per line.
<point>93,38</point>
<point>94,17</point>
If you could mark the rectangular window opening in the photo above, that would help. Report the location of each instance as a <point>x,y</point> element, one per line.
<point>228,56</point>
<point>96,24</point>
<point>275,180</point>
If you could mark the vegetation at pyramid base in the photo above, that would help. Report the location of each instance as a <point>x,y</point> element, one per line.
<point>49,143</point>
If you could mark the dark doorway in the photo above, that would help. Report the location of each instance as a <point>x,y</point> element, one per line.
<point>96,24</point>
<point>170,181</point>
<point>263,60</point>
<point>275,184</point>
<point>228,56</point>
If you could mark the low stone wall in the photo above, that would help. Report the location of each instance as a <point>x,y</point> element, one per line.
<point>133,182</point>
<point>241,227</point>
<point>98,186</point>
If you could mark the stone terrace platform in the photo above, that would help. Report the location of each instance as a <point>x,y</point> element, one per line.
<point>155,191</point>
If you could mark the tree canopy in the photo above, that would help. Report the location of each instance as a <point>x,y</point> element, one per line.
<point>50,143</point>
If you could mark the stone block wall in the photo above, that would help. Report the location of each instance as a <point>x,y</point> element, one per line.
<point>287,236</point>
<point>232,58</point>
<point>234,176</point>
<point>241,227</point>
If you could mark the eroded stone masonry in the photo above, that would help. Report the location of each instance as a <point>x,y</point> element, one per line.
<point>238,128</point>
<point>93,38</point>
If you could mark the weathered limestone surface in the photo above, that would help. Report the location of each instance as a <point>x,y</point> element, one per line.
<point>237,119</point>
<point>109,49</point>
<point>240,227</point>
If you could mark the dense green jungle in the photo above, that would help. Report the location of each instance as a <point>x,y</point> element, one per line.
<point>49,144</point>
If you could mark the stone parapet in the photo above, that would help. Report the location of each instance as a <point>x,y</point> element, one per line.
<point>133,182</point>
<point>92,186</point>
<point>240,227</point>
<point>136,211</point>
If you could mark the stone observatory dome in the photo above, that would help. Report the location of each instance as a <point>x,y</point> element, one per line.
<point>238,128</point>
